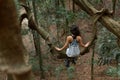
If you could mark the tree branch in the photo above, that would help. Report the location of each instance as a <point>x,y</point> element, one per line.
<point>112,25</point>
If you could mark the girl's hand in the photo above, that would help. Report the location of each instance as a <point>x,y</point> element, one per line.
<point>87,44</point>
<point>58,49</point>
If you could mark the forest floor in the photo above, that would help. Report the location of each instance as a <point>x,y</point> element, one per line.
<point>82,70</point>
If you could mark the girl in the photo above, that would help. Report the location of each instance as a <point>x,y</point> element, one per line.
<point>75,36</point>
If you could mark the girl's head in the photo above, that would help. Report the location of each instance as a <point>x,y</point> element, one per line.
<point>75,30</point>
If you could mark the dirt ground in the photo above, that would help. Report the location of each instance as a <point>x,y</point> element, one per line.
<point>83,70</point>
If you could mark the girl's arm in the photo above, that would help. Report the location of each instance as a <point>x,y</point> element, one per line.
<point>65,45</point>
<point>81,42</point>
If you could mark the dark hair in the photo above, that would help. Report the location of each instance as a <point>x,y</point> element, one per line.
<point>75,30</point>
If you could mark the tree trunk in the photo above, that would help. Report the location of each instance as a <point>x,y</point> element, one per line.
<point>73,6</point>
<point>9,77</point>
<point>57,16</point>
<point>37,42</point>
<point>12,50</point>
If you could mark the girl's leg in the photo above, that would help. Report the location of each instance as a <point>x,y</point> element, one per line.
<point>74,60</point>
<point>67,62</point>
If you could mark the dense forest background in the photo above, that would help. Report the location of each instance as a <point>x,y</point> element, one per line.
<point>50,26</point>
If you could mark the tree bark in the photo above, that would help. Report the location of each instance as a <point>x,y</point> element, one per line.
<point>12,50</point>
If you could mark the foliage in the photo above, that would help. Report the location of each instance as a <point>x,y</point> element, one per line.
<point>58,71</point>
<point>113,71</point>
<point>82,15</point>
<point>47,67</point>
<point>25,31</point>
<point>71,71</point>
<point>106,45</point>
<point>34,62</point>
<point>17,4</point>
<point>47,11</point>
